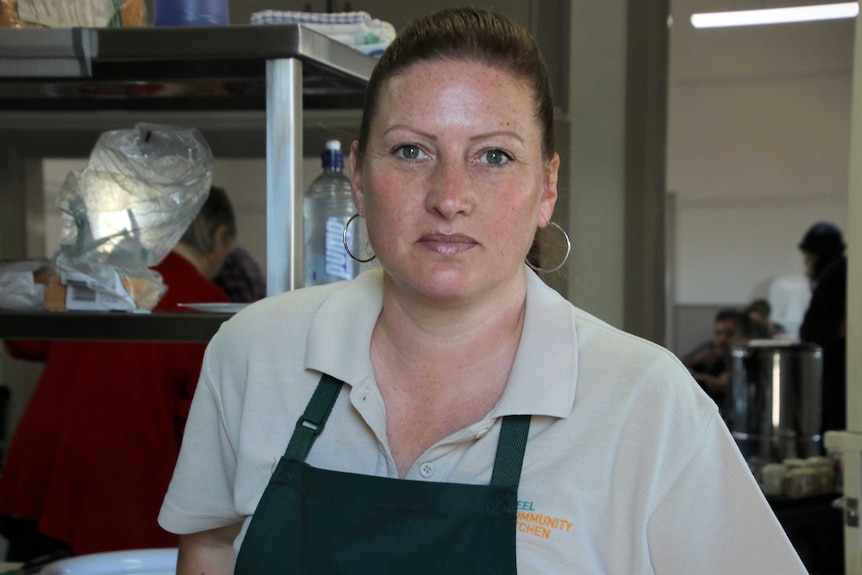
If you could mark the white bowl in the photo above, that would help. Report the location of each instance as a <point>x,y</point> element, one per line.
<point>137,561</point>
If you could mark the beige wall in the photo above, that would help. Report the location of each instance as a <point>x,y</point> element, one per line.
<point>854,290</point>
<point>597,158</point>
<point>758,148</point>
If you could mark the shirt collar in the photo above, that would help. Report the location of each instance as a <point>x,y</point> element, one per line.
<point>339,339</point>
<point>544,373</point>
<point>546,360</point>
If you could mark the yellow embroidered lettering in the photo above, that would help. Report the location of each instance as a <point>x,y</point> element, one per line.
<point>540,532</point>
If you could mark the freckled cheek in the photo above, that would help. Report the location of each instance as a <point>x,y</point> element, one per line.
<point>386,194</point>
<point>508,231</point>
<point>388,207</point>
<point>514,229</point>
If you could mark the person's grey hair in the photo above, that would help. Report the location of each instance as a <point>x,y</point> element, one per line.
<point>216,211</point>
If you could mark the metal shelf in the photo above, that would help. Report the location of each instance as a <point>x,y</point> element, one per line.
<point>110,326</point>
<point>279,69</point>
<point>185,68</point>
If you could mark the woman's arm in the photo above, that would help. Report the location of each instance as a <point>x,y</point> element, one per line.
<point>208,552</point>
<point>734,531</point>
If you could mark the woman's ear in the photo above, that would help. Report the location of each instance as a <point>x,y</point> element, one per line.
<point>356,178</point>
<point>549,191</point>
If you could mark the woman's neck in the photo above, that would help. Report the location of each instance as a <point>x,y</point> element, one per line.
<point>433,342</point>
<point>440,371</point>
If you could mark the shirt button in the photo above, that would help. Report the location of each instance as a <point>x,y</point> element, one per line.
<point>482,432</point>
<point>426,470</point>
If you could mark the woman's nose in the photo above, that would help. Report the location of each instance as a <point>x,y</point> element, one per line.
<point>452,189</point>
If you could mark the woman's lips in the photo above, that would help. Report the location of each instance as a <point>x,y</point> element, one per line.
<point>447,243</point>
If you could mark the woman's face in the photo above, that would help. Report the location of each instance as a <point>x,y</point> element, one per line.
<point>809,260</point>
<point>453,184</point>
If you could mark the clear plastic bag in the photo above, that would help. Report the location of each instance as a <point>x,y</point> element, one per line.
<point>127,209</point>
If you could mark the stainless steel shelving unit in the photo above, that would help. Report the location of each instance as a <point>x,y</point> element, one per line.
<point>282,69</point>
<point>110,326</point>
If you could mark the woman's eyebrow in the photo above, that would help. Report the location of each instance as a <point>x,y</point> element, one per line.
<point>508,133</point>
<point>407,128</point>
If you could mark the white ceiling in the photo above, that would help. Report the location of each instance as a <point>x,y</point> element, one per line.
<point>698,55</point>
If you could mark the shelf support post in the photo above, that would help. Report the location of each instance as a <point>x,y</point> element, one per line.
<point>284,183</point>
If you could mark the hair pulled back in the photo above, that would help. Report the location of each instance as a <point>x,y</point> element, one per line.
<point>466,34</point>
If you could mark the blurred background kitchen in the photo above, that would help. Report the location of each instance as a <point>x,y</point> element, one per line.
<point>693,160</point>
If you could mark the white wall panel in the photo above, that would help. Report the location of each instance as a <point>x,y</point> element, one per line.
<point>728,251</point>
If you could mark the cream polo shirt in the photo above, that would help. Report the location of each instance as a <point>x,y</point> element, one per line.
<point>628,467</point>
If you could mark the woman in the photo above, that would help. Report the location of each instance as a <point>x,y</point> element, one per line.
<point>91,458</point>
<point>475,422</point>
<point>825,320</point>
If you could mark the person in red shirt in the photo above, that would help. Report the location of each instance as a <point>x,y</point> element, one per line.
<point>91,458</point>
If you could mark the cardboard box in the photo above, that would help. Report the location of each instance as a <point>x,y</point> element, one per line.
<point>71,13</point>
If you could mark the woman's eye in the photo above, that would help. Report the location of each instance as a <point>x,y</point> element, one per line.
<point>496,157</point>
<point>409,152</point>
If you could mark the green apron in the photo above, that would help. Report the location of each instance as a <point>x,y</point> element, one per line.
<point>313,521</point>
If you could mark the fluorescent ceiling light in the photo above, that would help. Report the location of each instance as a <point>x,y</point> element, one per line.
<point>775,15</point>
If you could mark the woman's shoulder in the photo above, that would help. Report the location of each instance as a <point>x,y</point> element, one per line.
<point>627,365</point>
<point>289,315</point>
<point>284,312</point>
<point>635,389</point>
<point>608,358</point>
<point>611,343</point>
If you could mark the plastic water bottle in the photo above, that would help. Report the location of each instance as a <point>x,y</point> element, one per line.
<point>327,206</point>
<point>191,13</point>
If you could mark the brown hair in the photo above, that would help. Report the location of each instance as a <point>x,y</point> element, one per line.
<point>469,34</point>
<point>216,211</point>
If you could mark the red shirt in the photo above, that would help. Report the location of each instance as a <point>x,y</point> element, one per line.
<point>93,454</point>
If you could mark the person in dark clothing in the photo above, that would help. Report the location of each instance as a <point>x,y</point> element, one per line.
<point>241,277</point>
<point>759,313</point>
<point>709,363</point>
<point>825,321</point>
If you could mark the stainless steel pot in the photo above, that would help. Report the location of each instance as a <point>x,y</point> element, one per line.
<point>774,400</point>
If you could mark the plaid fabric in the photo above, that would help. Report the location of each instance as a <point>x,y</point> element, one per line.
<point>117,19</point>
<point>241,278</point>
<point>356,29</point>
<point>290,17</point>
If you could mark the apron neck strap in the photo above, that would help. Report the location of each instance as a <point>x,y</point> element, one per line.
<point>510,447</point>
<point>310,425</point>
<point>510,451</point>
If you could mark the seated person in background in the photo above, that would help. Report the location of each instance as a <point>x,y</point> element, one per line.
<point>760,321</point>
<point>92,456</point>
<point>241,278</point>
<point>709,363</point>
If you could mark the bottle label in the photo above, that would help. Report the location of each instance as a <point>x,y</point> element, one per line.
<point>338,263</point>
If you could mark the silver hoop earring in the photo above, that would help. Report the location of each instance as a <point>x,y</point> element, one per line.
<point>344,241</point>
<point>565,258</point>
